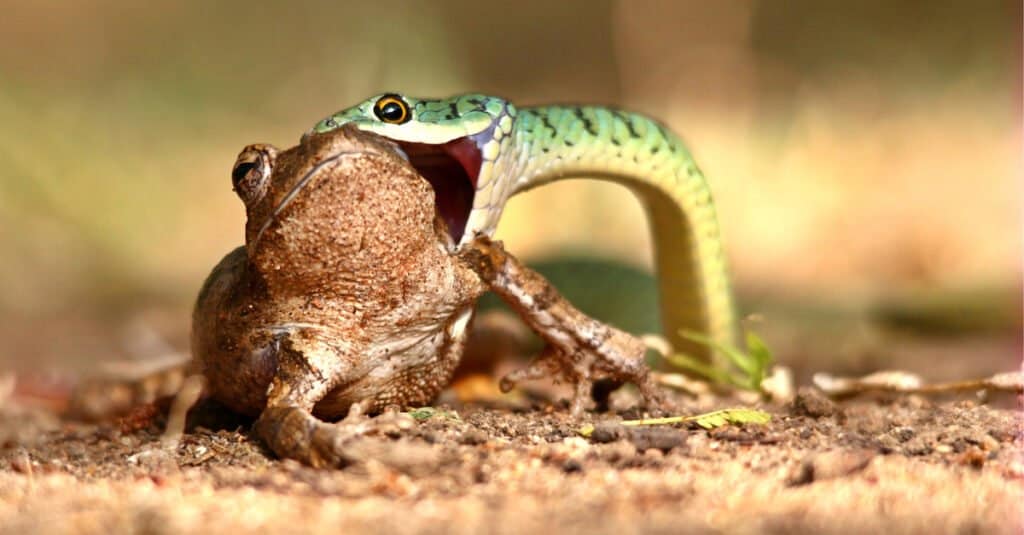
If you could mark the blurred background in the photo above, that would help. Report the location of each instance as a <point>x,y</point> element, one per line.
<point>865,157</point>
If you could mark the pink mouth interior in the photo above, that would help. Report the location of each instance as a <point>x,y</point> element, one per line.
<point>452,169</point>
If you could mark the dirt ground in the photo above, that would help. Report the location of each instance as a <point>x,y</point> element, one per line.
<point>892,465</point>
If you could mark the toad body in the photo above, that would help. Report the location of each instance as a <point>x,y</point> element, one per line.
<point>350,296</point>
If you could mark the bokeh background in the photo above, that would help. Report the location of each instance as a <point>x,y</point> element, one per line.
<point>865,156</point>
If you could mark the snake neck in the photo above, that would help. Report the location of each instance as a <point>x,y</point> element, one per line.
<point>559,142</point>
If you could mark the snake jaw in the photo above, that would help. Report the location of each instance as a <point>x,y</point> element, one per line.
<point>452,169</point>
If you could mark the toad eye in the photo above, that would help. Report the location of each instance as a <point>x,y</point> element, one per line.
<point>392,109</point>
<point>241,171</point>
<point>251,173</point>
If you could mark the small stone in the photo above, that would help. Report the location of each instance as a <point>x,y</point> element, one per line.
<point>917,446</point>
<point>811,402</point>
<point>902,433</point>
<point>989,444</point>
<point>572,465</point>
<point>473,437</point>
<point>654,453</point>
<point>659,438</point>
<point>606,432</point>
<point>886,443</point>
<point>699,446</point>
<point>156,460</point>
<point>1002,435</point>
<point>1015,470</point>
<point>22,463</point>
<point>617,452</point>
<point>974,457</point>
<point>830,465</point>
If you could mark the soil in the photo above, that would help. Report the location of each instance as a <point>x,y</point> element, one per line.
<point>892,465</point>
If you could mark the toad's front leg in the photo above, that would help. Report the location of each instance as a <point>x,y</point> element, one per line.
<point>579,348</point>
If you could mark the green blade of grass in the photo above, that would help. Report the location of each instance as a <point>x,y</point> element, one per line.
<point>709,372</point>
<point>740,360</point>
<point>760,355</point>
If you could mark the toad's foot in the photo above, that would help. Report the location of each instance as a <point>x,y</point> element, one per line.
<point>579,348</point>
<point>293,433</point>
<point>306,371</point>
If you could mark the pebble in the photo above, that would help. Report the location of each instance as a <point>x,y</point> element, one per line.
<point>812,402</point>
<point>571,466</point>
<point>605,432</point>
<point>903,433</point>
<point>473,437</point>
<point>830,465</point>
<point>658,438</point>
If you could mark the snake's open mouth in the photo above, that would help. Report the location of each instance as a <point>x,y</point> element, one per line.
<point>452,169</point>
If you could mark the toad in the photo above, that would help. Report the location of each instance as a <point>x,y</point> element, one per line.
<point>351,296</point>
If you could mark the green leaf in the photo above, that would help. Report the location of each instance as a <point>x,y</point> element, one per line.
<point>425,413</point>
<point>707,420</point>
<point>715,419</point>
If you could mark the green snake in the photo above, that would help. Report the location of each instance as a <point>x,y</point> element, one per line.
<point>479,150</point>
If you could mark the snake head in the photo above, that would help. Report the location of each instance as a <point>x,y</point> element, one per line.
<point>446,140</point>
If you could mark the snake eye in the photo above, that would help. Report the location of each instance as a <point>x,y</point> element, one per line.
<point>392,109</point>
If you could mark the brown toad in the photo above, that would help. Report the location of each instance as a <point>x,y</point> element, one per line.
<point>350,296</point>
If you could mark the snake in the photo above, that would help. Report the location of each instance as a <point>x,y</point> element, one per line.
<point>478,150</point>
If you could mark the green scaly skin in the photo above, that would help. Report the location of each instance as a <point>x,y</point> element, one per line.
<point>525,148</point>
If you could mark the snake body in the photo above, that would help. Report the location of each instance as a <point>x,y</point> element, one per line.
<point>505,150</point>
